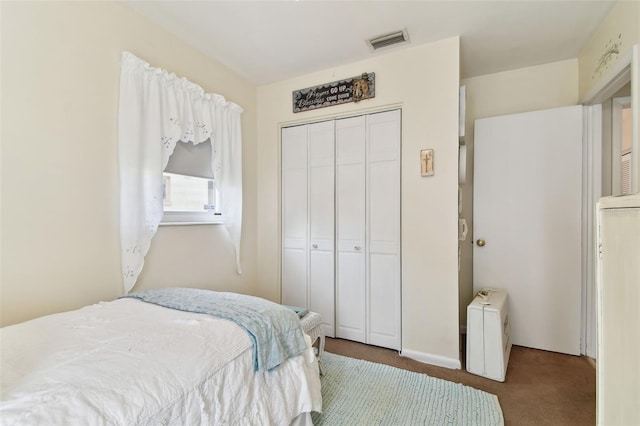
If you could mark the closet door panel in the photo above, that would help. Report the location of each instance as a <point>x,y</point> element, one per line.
<point>350,182</point>
<point>383,200</point>
<point>294,185</point>
<point>383,177</point>
<point>383,251</point>
<point>321,204</point>
<point>321,184</point>
<point>321,288</point>
<point>383,218</point>
<point>294,277</point>
<point>384,136</point>
<point>350,302</point>
<point>294,216</point>
<point>351,296</point>
<point>294,241</point>
<point>321,223</point>
<point>294,147</point>
<point>351,205</point>
<point>384,301</point>
<point>350,228</point>
<point>294,208</point>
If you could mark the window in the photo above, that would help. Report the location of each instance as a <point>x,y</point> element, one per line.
<point>625,151</point>
<point>621,150</point>
<point>156,110</point>
<point>189,194</point>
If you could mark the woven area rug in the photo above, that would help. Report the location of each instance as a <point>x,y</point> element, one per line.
<point>356,392</point>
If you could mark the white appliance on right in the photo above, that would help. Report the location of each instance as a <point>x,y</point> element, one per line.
<point>618,311</point>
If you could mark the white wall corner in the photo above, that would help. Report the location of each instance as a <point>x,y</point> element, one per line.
<point>438,360</point>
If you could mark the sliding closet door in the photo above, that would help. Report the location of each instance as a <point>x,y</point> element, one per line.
<point>350,229</point>
<point>383,218</point>
<point>294,216</point>
<point>321,222</point>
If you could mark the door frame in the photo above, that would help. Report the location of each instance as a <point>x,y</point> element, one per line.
<point>626,69</point>
<point>591,193</point>
<point>617,105</point>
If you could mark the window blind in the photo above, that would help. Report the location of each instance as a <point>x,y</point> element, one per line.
<point>191,160</point>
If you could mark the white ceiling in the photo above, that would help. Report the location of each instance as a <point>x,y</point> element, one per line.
<point>268,41</point>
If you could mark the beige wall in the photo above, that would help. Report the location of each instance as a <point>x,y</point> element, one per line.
<point>59,239</point>
<point>526,89</point>
<point>620,28</point>
<point>423,81</point>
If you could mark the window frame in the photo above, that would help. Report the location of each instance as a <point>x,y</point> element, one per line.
<point>177,218</point>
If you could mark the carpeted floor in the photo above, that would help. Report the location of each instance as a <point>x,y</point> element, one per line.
<point>357,392</point>
<point>541,388</point>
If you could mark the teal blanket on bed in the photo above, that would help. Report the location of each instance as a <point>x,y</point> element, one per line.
<point>274,329</point>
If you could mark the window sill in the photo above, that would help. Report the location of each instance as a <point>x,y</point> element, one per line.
<point>189,223</point>
<point>191,218</point>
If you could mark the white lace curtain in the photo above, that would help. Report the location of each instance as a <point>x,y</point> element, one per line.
<point>158,109</point>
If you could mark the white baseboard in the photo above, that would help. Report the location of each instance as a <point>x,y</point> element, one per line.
<point>440,361</point>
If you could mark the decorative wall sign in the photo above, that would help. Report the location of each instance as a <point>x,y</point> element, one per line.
<point>352,89</point>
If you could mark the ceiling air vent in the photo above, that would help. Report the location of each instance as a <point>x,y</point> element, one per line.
<point>389,39</point>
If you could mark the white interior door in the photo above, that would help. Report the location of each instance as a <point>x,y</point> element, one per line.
<point>527,222</point>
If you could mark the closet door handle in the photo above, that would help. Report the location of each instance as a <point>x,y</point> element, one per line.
<point>314,246</point>
<point>356,247</point>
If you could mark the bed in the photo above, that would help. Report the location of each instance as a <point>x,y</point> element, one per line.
<point>134,362</point>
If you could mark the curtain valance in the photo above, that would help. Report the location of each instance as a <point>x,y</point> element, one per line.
<point>157,109</point>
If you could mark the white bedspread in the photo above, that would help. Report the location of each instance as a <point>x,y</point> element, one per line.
<point>128,362</point>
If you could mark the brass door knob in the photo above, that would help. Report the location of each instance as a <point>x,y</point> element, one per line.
<point>480,243</point>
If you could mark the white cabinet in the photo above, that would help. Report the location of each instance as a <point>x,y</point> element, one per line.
<point>341,225</point>
<point>618,298</point>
